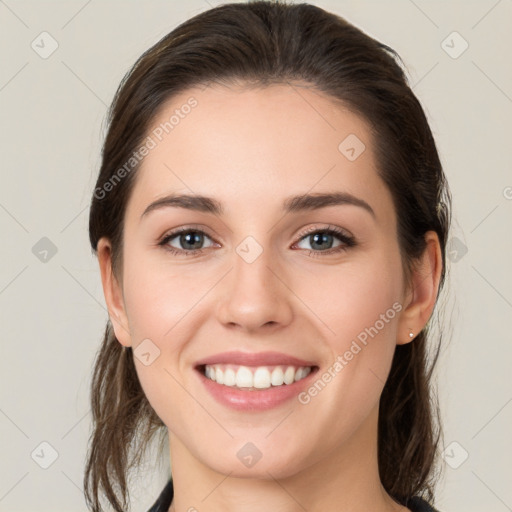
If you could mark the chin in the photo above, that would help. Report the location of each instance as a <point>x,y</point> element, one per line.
<point>249,462</point>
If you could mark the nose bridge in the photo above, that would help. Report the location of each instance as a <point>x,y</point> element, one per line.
<point>254,294</point>
<point>251,264</point>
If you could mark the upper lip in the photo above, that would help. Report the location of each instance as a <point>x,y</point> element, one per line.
<point>254,359</point>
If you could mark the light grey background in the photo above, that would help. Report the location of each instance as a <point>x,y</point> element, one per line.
<point>52,312</point>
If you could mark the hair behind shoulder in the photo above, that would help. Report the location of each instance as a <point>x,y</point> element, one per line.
<point>261,43</point>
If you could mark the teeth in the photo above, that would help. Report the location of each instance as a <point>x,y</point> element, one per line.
<point>277,377</point>
<point>219,376</point>
<point>289,375</point>
<point>229,377</point>
<point>262,377</point>
<point>244,377</point>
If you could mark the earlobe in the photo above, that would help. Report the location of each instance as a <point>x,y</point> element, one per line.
<point>422,298</point>
<point>113,293</point>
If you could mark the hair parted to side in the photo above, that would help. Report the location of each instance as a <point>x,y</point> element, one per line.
<point>262,43</point>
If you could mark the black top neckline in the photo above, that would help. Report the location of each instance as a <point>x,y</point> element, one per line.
<point>162,504</point>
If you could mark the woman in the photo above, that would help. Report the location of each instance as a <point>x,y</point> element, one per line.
<point>287,375</point>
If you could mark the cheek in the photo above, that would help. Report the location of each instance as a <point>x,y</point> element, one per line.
<point>161,305</point>
<point>358,308</point>
<point>156,297</point>
<point>351,299</point>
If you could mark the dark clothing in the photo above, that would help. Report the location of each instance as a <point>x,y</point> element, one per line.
<point>163,502</point>
<point>418,504</point>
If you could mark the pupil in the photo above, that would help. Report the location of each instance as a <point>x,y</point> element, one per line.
<point>192,238</point>
<point>320,236</point>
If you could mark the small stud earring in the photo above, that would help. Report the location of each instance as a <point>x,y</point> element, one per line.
<point>411,335</point>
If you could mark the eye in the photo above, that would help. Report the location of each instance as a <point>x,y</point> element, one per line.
<point>322,240</point>
<point>189,241</point>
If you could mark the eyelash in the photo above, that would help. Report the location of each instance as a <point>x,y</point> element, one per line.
<point>348,241</point>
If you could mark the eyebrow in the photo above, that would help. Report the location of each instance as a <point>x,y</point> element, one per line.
<point>293,204</point>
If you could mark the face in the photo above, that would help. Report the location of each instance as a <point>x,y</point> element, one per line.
<point>263,284</point>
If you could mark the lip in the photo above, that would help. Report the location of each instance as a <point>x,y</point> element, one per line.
<point>254,399</point>
<point>255,359</point>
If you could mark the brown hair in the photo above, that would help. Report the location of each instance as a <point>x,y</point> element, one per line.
<point>263,43</point>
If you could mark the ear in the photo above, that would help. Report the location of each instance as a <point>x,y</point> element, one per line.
<point>113,293</point>
<point>421,297</point>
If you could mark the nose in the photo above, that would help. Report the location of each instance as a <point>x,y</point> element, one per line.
<point>254,295</point>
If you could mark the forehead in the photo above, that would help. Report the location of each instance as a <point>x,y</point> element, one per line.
<point>251,144</point>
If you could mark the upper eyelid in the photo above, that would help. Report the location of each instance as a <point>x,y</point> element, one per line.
<point>329,227</point>
<point>185,229</point>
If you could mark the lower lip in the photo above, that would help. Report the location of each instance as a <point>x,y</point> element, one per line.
<point>257,399</point>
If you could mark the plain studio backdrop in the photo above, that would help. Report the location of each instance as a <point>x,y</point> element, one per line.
<point>61,64</point>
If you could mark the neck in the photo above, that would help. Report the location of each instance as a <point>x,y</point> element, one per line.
<point>346,480</point>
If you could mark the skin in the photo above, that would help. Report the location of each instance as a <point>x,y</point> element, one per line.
<point>250,148</point>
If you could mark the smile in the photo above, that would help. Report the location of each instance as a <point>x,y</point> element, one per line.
<point>253,382</point>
